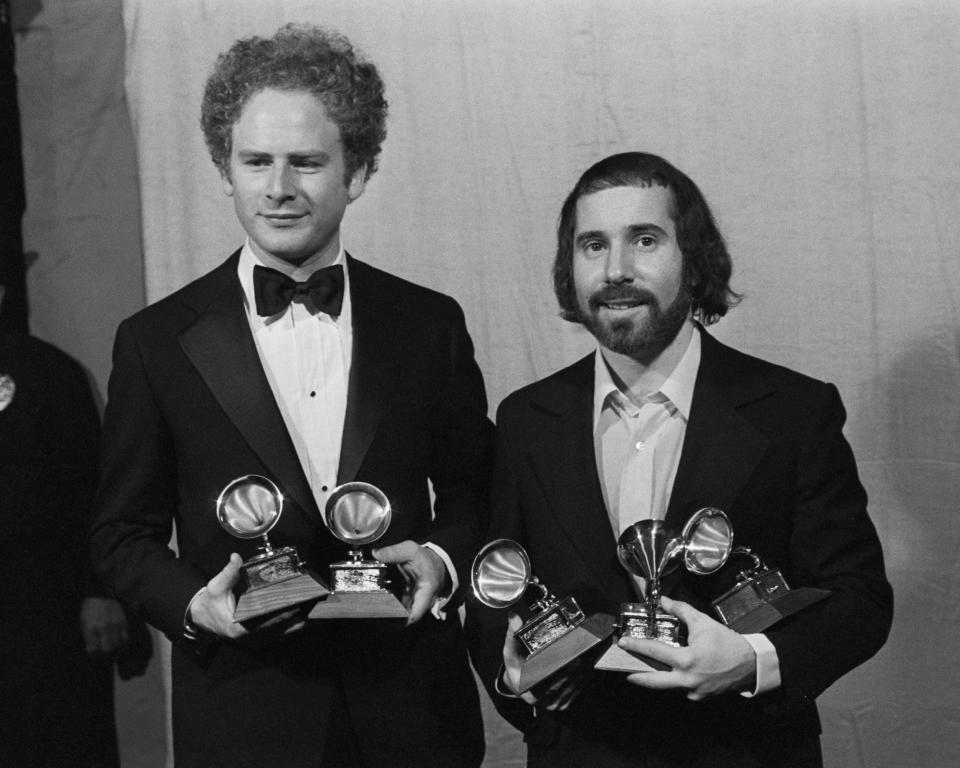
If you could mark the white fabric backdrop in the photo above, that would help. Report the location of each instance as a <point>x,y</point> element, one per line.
<point>824,134</point>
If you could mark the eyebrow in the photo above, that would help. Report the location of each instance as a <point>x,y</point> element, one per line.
<point>316,154</point>
<point>591,234</point>
<point>632,231</point>
<point>640,229</point>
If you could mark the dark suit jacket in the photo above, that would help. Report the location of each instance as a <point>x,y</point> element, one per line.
<point>190,409</point>
<point>764,444</point>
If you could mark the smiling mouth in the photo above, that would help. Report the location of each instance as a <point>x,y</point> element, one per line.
<point>622,305</point>
<point>283,219</point>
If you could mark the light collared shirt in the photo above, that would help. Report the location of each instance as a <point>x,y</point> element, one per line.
<point>637,444</point>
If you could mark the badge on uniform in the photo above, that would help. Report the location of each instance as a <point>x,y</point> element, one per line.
<point>7,390</point>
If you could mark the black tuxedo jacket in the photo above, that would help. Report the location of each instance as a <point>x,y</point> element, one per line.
<point>190,409</point>
<point>764,444</point>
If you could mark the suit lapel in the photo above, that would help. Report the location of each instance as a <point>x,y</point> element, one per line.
<point>566,469</point>
<point>221,347</point>
<point>378,335</point>
<point>721,448</point>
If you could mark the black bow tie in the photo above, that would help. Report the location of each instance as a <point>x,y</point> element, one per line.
<point>274,291</point>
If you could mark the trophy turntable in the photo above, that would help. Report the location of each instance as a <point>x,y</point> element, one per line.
<point>273,579</point>
<point>558,631</point>
<point>358,514</point>
<point>761,597</point>
<point>650,549</point>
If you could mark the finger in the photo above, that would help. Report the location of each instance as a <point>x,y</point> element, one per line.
<point>396,553</point>
<point>683,611</point>
<point>656,681</point>
<point>295,627</point>
<point>422,600</point>
<point>511,646</point>
<point>408,574</point>
<point>223,582</point>
<point>564,698</point>
<point>653,650</point>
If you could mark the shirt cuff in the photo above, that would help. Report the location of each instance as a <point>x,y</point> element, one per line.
<point>439,603</point>
<point>190,630</point>
<point>768,665</point>
<point>499,684</point>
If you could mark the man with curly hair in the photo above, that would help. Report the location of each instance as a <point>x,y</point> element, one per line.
<point>295,361</point>
<point>659,422</point>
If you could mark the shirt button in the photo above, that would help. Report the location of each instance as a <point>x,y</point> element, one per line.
<point>313,394</point>
<point>641,444</point>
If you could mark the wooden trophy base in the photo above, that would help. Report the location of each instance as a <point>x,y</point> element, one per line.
<point>275,597</point>
<point>616,659</point>
<point>551,658</point>
<point>359,605</point>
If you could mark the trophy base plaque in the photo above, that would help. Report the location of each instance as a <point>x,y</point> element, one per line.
<point>359,605</point>
<point>550,658</point>
<point>751,607</point>
<point>359,592</point>
<point>552,622</point>
<point>635,622</point>
<point>293,590</point>
<point>616,659</point>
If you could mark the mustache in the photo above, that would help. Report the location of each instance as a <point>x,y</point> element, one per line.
<point>630,293</point>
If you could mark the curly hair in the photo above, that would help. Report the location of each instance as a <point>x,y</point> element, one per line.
<point>706,262</point>
<point>299,57</point>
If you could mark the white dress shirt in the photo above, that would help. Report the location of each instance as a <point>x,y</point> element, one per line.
<point>306,355</point>
<point>637,444</point>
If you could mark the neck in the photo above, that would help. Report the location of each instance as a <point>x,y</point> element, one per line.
<point>317,260</point>
<point>645,372</point>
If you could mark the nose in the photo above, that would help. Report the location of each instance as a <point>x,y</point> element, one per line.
<point>280,185</point>
<point>618,267</point>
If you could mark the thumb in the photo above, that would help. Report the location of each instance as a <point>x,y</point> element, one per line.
<point>683,611</point>
<point>224,581</point>
<point>511,645</point>
<point>396,553</point>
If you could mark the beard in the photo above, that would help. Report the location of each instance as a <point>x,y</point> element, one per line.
<point>644,338</point>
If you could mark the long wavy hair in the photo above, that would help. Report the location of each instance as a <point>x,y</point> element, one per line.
<point>299,57</point>
<point>706,262</point>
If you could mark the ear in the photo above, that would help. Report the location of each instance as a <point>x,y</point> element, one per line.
<point>227,184</point>
<point>357,183</point>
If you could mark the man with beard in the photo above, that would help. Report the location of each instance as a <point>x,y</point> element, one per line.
<point>659,422</point>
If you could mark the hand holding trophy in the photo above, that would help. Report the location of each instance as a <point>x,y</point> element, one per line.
<point>274,579</point>
<point>558,631</point>
<point>358,514</point>
<point>649,549</point>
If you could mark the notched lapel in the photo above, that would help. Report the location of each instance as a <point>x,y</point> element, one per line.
<point>378,337</point>
<point>221,348</point>
<point>566,469</point>
<point>721,448</point>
